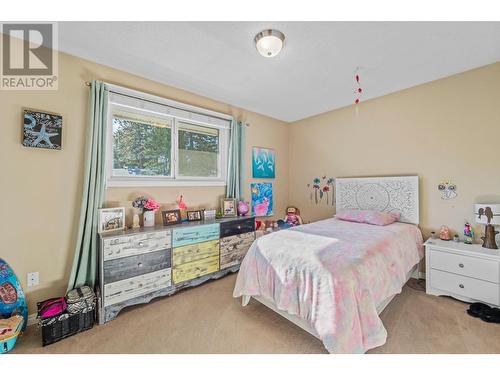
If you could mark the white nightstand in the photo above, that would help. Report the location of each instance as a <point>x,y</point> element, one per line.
<point>467,272</point>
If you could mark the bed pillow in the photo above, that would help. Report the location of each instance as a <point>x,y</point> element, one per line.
<point>369,217</point>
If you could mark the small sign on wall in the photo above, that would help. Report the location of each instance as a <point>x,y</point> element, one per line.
<point>41,129</point>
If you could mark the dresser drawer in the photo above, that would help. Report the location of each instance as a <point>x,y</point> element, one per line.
<point>192,270</point>
<point>190,253</point>
<point>124,268</point>
<point>234,248</point>
<point>195,234</point>
<point>135,244</point>
<point>124,290</point>
<point>233,227</point>
<point>465,286</point>
<point>482,269</point>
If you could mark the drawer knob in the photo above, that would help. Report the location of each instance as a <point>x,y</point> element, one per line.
<point>239,226</point>
<point>461,265</point>
<point>141,244</point>
<point>461,286</point>
<point>139,265</point>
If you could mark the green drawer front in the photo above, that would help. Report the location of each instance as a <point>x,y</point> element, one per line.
<point>195,234</point>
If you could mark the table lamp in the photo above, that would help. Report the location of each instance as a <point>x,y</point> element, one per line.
<point>488,214</point>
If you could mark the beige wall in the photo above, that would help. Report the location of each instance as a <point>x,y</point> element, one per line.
<point>448,128</point>
<point>41,189</point>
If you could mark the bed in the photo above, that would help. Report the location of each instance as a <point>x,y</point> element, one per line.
<point>333,278</point>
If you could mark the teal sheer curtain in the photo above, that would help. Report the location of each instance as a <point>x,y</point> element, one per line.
<point>85,259</point>
<point>236,171</point>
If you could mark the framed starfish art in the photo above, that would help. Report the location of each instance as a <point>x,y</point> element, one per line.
<point>43,130</point>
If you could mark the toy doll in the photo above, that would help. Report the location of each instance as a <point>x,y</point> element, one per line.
<point>292,217</point>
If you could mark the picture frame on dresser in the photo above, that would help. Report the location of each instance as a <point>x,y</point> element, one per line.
<point>111,219</point>
<point>195,215</point>
<point>228,207</point>
<point>171,217</point>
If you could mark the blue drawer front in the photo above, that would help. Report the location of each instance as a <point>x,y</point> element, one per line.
<point>199,233</point>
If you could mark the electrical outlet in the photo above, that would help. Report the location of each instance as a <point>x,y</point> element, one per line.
<point>33,279</point>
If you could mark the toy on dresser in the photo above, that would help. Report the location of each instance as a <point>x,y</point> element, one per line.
<point>468,233</point>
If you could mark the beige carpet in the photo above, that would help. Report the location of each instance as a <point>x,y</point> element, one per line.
<point>207,319</point>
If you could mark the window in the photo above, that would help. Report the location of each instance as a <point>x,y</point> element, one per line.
<point>142,146</point>
<point>150,144</point>
<point>198,150</point>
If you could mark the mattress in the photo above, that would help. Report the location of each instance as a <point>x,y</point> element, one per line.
<point>333,274</point>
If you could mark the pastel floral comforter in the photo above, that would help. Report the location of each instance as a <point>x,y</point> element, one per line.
<point>333,274</point>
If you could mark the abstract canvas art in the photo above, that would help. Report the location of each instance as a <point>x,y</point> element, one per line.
<point>263,162</point>
<point>262,198</point>
<point>43,130</point>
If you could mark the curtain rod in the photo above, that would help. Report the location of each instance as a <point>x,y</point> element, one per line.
<point>88,83</point>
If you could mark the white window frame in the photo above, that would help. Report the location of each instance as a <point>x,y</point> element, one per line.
<point>135,101</point>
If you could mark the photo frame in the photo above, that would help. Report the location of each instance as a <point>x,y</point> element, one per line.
<point>171,217</point>
<point>195,215</point>
<point>42,129</point>
<point>209,214</point>
<point>111,219</point>
<point>228,207</point>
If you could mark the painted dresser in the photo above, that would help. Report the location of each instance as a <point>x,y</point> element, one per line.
<point>138,265</point>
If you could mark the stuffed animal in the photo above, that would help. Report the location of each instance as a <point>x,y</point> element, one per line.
<point>292,217</point>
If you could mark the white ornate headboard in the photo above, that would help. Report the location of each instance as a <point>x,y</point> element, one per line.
<point>383,194</point>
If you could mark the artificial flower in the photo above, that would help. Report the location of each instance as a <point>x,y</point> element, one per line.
<point>151,205</point>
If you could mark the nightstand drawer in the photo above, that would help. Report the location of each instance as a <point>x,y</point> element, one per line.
<point>482,269</point>
<point>465,286</point>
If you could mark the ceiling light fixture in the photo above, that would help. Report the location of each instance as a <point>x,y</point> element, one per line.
<point>269,42</point>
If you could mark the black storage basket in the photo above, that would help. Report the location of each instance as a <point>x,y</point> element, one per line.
<point>64,325</point>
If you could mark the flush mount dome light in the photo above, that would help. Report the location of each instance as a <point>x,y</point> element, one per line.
<point>269,42</point>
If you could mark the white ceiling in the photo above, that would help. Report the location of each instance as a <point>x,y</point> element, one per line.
<point>313,73</point>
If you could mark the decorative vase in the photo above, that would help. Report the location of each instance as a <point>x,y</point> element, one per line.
<point>243,208</point>
<point>149,218</point>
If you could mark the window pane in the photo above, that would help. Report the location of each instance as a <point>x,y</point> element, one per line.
<point>198,151</point>
<point>141,145</point>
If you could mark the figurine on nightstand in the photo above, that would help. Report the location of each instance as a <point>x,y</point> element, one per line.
<point>468,233</point>
<point>444,233</point>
